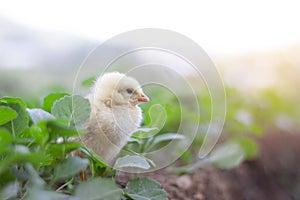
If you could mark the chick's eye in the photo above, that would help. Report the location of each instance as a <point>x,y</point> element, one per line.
<point>129,91</point>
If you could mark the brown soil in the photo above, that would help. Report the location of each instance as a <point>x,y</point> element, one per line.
<point>274,175</point>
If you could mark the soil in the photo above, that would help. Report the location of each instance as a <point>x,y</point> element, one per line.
<point>274,174</point>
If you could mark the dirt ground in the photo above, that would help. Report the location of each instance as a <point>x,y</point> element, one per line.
<point>274,175</point>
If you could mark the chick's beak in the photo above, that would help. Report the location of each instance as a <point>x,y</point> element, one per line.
<point>143,98</point>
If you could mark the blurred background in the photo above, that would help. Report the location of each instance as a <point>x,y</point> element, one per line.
<point>254,44</point>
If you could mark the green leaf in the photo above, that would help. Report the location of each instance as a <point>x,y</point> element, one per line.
<point>38,115</point>
<point>168,137</point>
<point>5,137</point>
<point>20,123</point>
<point>9,100</point>
<point>228,155</point>
<point>51,98</point>
<point>164,138</point>
<point>45,131</point>
<point>57,129</point>
<point>256,129</point>
<point>20,156</point>
<point>89,82</point>
<point>145,132</point>
<point>98,188</point>
<point>132,161</point>
<point>74,109</point>
<point>233,152</point>
<point>7,114</point>
<point>145,189</point>
<point>62,149</point>
<point>37,193</point>
<point>134,140</point>
<point>38,132</point>
<point>7,177</point>
<point>96,163</point>
<point>34,178</point>
<point>158,116</point>
<point>5,149</point>
<point>70,167</point>
<point>249,147</point>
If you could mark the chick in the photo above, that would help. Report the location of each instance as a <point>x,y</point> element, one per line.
<point>115,114</point>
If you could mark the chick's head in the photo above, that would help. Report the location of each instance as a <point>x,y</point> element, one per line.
<point>119,89</point>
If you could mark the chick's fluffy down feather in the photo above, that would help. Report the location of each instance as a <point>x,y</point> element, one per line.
<point>115,114</point>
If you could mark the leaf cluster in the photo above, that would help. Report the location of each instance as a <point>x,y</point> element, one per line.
<point>35,153</point>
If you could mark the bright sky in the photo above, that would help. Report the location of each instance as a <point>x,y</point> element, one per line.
<point>220,27</point>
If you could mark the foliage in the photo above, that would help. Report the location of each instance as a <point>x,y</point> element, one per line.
<point>132,161</point>
<point>249,115</point>
<point>144,188</point>
<point>142,141</point>
<point>35,147</point>
<point>98,188</point>
<point>233,152</point>
<point>36,142</point>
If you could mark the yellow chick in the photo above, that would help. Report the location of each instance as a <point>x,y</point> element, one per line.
<point>115,114</point>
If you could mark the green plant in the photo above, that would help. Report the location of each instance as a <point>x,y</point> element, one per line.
<point>143,141</point>
<point>35,147</point>
<point>151,136</point>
